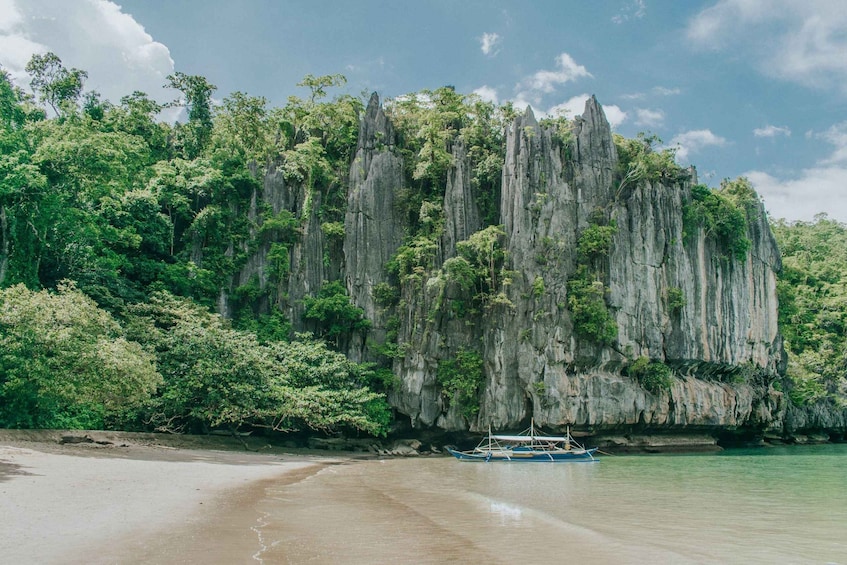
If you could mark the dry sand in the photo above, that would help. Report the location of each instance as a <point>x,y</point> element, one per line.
<point>138,499</point>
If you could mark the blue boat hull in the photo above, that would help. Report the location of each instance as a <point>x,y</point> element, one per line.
<point>521,456</point>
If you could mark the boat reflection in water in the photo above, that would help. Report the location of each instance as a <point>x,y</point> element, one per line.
<point>528,447</point>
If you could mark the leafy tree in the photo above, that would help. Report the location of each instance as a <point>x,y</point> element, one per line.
<point>242,133</point>
<point>483,250</point>
<point>429,122</point>
<point>197,99</point>
<point>215,376</point>
<point>639,160</point>
<point>586,291</point>
<point>333,125</point>
<point>55,84</point>
<point>723,214</point>
<point>675,298</point>
<point>813,308</point>
<point>89,172</point>
<point>65,363</point>
<point>483,136</point>
<point>335,315</point>
<point>25,212</point>
<point>24,201</point>
<point>137,115</point>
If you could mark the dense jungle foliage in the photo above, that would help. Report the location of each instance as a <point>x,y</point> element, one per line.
<point>119,232</point>
<point>813,308</point>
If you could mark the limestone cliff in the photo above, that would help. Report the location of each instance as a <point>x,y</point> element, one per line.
<point>535,364</point>
<point>674,294</point>
<point>373,228</point>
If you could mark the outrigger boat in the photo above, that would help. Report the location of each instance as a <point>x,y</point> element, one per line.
<point>528,446</point>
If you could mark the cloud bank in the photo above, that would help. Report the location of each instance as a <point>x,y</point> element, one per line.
<point>801,42</point>
<point>690,142</point>
<point>93,35</point>
<point>816,189</point>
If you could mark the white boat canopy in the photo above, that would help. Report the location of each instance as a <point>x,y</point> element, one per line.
<point>527,439</point>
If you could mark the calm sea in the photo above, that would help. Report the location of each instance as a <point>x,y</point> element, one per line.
<point>770,505</point>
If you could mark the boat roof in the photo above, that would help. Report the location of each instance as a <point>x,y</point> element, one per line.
<point>528,438</point>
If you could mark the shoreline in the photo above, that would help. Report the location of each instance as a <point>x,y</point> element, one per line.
<point>145,498</point>
<point>137,498</point>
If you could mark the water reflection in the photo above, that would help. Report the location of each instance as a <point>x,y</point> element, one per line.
<point>508,513</point>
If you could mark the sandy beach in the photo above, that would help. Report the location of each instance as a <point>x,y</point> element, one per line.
<point>137,498</point>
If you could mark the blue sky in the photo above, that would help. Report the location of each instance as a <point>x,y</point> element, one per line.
<point>740,87</point>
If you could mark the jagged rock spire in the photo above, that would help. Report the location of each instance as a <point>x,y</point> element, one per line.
<point>375,128</point>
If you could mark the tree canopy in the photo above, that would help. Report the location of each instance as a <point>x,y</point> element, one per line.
<point>813,308</point>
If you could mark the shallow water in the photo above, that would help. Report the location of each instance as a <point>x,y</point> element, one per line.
<point>775,505</point>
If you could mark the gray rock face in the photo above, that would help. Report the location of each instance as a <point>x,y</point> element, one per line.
<point>536,366</point>
<point>372,225</point>
<point>307,268</point>
<point>820,416</point>
<point>461,215</point>
<point>554,185</point>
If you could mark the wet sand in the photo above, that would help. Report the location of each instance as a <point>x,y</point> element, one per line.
<point>137,499</point>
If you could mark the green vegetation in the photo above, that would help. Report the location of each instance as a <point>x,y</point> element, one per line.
<point>587,302</point>
<point>538,287</point>
<point>596,240</point>
<point>214,376</point>
<point>676,299</point>
<point>484,256</point>
<point>335,315</point>
<point>461,379</point>
<point>813,308</point>
<point>65,363</point>
<point>654,376</point>
<point>429,124</point>
<point>723,214</point>
<point>639,160</point>
<point>170,365</point>
<point>586,292</point>
<point>138,212</point>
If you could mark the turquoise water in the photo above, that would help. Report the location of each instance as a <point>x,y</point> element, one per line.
<point>771,505</point>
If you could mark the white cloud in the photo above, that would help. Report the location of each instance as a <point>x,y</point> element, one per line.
<point>636,10</point>
<point>655,91</point>
<point>772,131</point>
<point>93,35</point>
<point>10,17</point>
<point>690,142</point>
<point>649,118</point>
<point>664,91</point>
<point>575,106</point>
<point>802,42</point>
<point>614,114</point>
<point>816,190</point>
<point>488,42</point>
<point>487,93</point>
<point>546,81</point>
<point>370,65</point>
<point>836,135</point>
